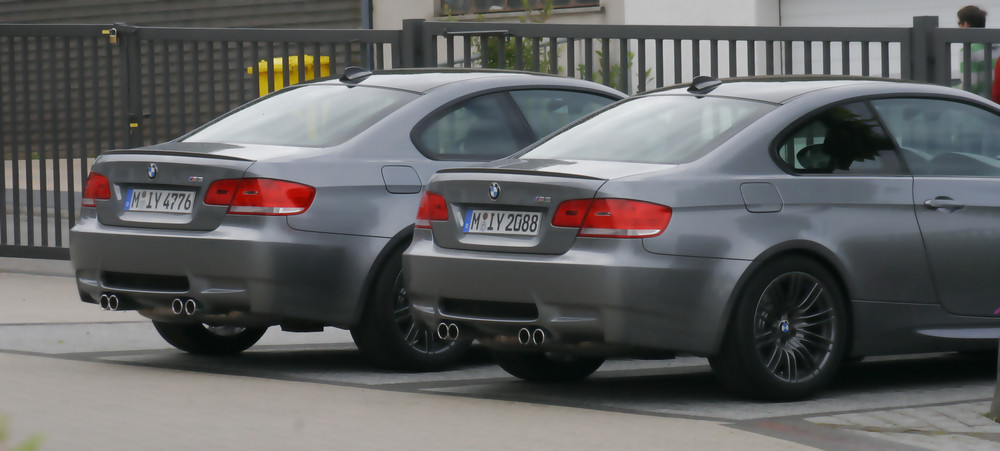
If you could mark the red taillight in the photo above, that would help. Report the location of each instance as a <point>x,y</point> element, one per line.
<point>613,218</point>
<point>260,196</point>
<point>433,207</point>
<point>97,188</point>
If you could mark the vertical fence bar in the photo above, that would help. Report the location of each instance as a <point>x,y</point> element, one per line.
<point>732,45</point>
<point>45,159</point>
<point>553,55</point>
<point>449,45</point>
<point>16,139</point>
<point>182,77</point>
<point>751,58</point>
<point>678,61</point>
<point>827,69</point>
<point>659,63</point>
<point>519,53</point>
<point>695,58</point>
<point>606,60</point>
<point>213,106</point>
<point>484,41</point>
<point>788,69</point>
<point>641,49</point>
<point>845,58</point>
<point>28,145</point>
<point>466,51</point>
<point>865,58</point>
<point>4,147</point>
<point>885,59</point>
<point>536,54</point>
<point>588,59</point>
<point>152,89</point>
<point>286,66</point>
<point>624,77</point>
<point>79,158</point>
<point>807,58</point>
<point>571,58</point>
<point>111,107</point>
<point>713,48</point>
<point>270,67</point>
<point>769,56</point>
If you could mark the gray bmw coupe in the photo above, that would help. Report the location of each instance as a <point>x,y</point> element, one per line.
<point>294,210</point>
<point>776,226</point>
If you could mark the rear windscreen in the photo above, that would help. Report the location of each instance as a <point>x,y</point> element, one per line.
<point>307,116</point>
<point>655,129</point>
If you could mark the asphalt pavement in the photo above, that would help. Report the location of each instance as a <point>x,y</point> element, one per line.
<point>53,387</point>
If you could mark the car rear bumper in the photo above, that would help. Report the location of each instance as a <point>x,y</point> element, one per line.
<point>603,291</point>
<point>264,272</point>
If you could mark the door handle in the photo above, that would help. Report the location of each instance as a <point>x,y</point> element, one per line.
<point>943,203</point>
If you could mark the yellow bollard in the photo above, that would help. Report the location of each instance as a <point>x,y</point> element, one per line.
<point>278,66</point>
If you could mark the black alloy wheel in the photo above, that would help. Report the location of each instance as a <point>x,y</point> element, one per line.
<point>788,334</point>
<point>389,337</point>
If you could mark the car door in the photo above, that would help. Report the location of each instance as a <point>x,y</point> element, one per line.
<point>952,149</point>
<point>851,193</point>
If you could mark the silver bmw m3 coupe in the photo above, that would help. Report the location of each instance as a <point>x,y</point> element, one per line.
<point>294,210</point>
<point>776,226</point>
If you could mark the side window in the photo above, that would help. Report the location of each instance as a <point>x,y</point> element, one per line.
<point>942,137</point>
<point>549,110</point>
<point>475,129</point>
<point>845,139</point>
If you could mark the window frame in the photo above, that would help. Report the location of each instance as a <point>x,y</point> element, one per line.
<point>938,97</point>
<point>782,137</point>
<point>511,110</point>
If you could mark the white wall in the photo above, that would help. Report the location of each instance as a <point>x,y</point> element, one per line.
<point>880,13</point>
<point>688,12</point>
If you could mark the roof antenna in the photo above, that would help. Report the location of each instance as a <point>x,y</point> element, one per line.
<point>703,84</point>
<point>354,74</point>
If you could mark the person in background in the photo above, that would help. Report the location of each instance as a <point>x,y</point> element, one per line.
<point>996,83</point>
<point>975,17</point>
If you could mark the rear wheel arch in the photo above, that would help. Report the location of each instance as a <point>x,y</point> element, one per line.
<point>810,250</point>
<point>398,243</point>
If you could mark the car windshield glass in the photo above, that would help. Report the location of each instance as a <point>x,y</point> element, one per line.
<point>308,116</point>
<point>655,129</point>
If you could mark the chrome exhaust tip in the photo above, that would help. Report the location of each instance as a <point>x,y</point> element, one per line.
<point>103,302</point>
<point>538,337</point>
<point>113,303</point>
<point>524,336</point>
<point>442,331</point>
<point>177,306</point>
<point>190,307</point>
<point>447,331</point>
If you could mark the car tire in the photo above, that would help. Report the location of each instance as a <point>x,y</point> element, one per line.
<point>788,334</point>
<point>387,334</point>
<point>198,338</point>
<point>546,366</point>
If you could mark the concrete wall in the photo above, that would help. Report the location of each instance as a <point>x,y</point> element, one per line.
<point>389,14</point>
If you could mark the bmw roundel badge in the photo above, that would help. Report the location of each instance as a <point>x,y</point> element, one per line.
<point>494,190</point>
<point>151,171</point>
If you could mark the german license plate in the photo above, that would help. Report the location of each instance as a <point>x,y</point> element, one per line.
<point>158,200</point>
<point>502,222</point>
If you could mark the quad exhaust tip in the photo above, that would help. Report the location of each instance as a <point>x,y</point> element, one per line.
<point>527,336</point>
<point>448,331</point>
<point>184,307</point>
<point>177,306</point>
<point>109,302</point>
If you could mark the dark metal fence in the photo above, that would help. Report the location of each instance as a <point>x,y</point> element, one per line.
<point>69,92</point>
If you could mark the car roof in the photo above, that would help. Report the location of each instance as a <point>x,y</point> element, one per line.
<point>782,89</point>
<point>424,80</point>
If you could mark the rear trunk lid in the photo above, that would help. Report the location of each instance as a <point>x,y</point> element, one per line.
<point>164,187</point>
<point>510,208</point>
